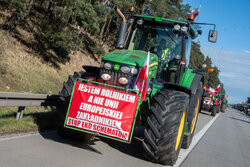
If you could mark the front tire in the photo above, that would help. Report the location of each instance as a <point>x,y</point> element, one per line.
<point>62,108</point>
<point>165,126</point>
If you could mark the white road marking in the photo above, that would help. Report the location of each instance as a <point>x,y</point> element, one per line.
<point>184,152</point>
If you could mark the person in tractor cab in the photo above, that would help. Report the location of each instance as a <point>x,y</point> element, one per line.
<point>162,50</point>
<point>163,54</point>
<point>167,52</point>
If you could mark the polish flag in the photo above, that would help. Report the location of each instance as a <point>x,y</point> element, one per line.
<point>141,80</point>
<point>218,88</point>
<point>194,13</point>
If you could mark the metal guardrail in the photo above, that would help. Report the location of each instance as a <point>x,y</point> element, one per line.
<point>22,100</point>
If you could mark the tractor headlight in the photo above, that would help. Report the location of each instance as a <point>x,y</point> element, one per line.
<point>131,20</point>
<point>140,22</point>
<point>125,69</point>
<point>184,28</point>
<point>123,80</point>
<point>105,77</point>
<point>177,27</point>
<point>134,70</point>
<point>107,66</point>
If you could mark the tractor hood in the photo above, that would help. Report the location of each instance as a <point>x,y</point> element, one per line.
<point>129,57</point>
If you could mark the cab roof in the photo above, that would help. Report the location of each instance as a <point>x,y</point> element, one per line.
<point>160,19</point>
<point>193,31</point>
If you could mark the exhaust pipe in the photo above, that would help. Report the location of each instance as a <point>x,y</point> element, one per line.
<point>122,31</point>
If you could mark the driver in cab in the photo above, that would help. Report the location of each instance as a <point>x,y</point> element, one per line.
<point>162,50</point>
<point>163,53</point>
<point>164,57</point>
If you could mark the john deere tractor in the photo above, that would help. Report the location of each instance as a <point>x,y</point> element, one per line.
<point>174,92</point>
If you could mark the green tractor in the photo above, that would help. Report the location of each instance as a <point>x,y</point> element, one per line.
<point>223,102</point>
<point>174,92</point>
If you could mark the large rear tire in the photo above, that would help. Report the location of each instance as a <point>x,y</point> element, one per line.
<point>62,109</point>
<point>165,126</point>
<point>194,109</point>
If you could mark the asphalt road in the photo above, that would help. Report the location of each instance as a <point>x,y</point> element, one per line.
<point>48,149</point>
<point>226,143</point>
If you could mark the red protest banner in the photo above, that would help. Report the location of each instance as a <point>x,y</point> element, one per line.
<point>102,110</point>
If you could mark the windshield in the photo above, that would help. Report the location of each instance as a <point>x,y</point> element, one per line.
<point>162,41</point>
<point>154,38</point>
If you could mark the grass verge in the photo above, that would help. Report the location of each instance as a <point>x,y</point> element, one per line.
<point>34,119</point>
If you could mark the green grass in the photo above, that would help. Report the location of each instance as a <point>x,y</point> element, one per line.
<point>34,119</point>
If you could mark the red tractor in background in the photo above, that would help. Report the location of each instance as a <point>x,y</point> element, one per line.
<point>208,101</point>
<point>220,101</point>
<point>212,100</point>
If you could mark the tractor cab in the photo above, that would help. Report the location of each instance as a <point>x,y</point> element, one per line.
<point>164,38</point>
<point>167,41</point>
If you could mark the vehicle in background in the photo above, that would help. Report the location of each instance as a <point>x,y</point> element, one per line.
<point>223,102</point>
<point>209,100</point>
<point>243,107</point>
<point>247,106</point>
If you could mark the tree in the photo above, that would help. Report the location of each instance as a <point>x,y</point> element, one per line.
<point>197,57</point>
<point>172,9</point>
<point>66,24</point>
<point>213,79</point>
<point>22,10</point>
<point>208,62</point>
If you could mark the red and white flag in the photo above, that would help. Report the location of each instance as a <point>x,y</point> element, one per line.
<point>194,13</point>
<point>141,80</point>
<point>218,88</point>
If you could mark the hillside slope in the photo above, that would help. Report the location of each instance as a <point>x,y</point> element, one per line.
<point>22,70</point>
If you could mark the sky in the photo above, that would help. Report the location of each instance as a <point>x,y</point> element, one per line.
<point>231,52</point>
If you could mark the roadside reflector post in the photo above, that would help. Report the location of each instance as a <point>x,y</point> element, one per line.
<point>19,114</point>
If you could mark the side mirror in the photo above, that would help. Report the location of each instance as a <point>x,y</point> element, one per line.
<point>212,37</point>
